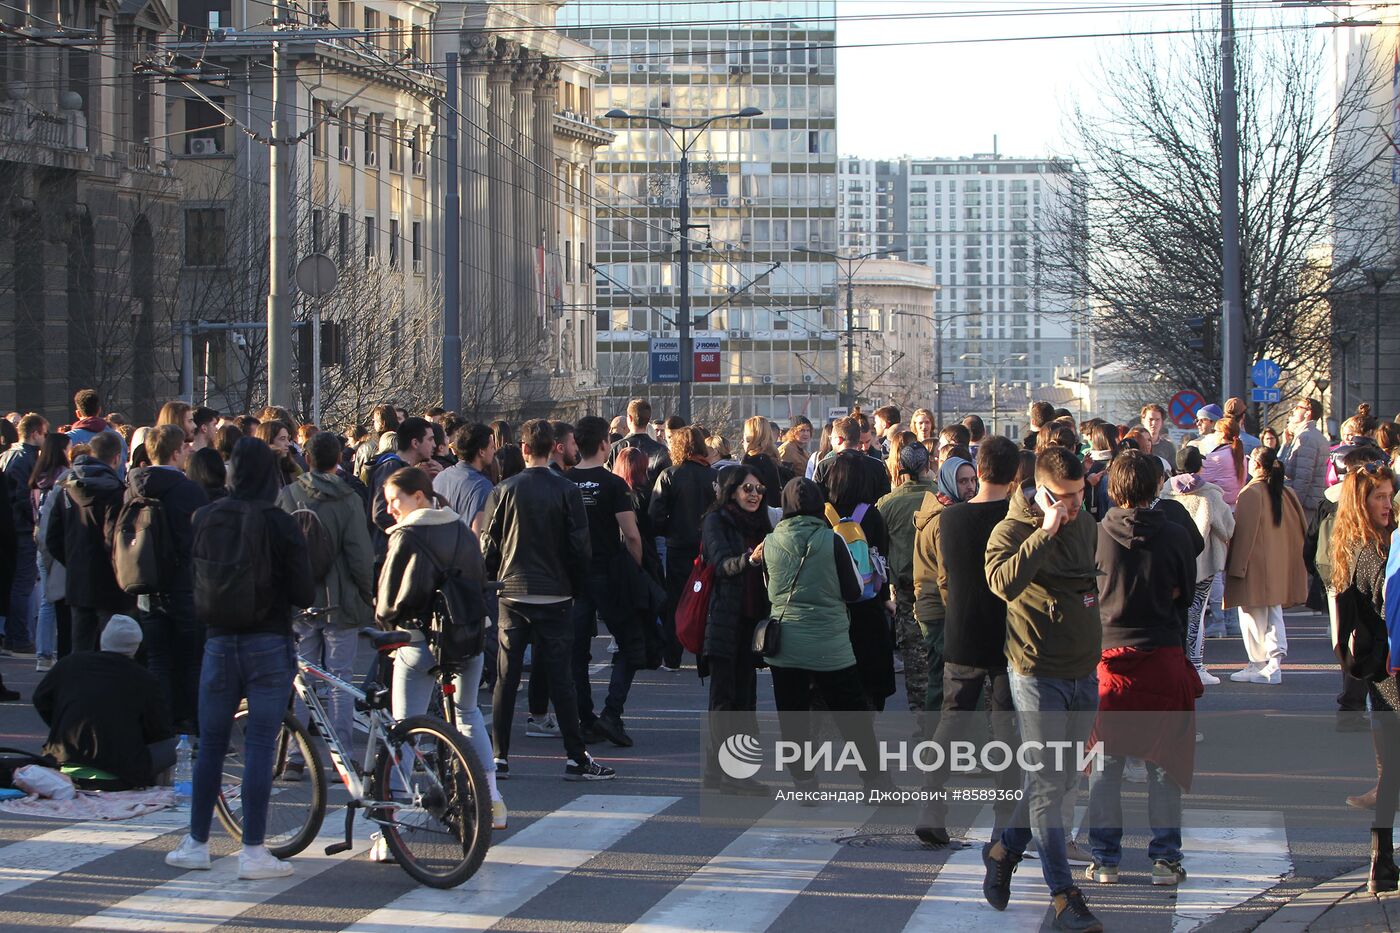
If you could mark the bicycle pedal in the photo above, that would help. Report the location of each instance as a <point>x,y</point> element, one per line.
<point>337,848</point>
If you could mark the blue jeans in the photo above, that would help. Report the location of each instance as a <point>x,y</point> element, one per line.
<point>1106,812</point>
<point>413,688</point>
<point>19,624</point>
<point>259,668</point>
<point>46,628</point>
<point>1070,706</point>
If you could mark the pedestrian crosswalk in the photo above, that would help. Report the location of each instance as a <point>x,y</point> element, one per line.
<point>759,876</point>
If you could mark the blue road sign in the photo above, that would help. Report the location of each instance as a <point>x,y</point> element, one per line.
<point>1266,396</point>
<point>1265,374</point>
<point>665,360</point>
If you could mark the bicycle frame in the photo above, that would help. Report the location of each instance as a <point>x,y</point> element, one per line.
<point>319,723</point>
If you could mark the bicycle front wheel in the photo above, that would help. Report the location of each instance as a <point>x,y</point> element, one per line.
<point>298,802</point>
<point>440,826</point>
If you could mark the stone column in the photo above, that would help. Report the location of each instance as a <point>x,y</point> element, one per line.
<point>476,192</point>
<point>547,199</point>
<point>526,216</point>
<point>502,197</point>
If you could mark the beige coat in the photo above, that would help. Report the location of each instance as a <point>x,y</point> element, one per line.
<point>1265,564</point>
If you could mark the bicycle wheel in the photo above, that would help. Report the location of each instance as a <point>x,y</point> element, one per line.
<point>296,808</point>
<point>441,827</point>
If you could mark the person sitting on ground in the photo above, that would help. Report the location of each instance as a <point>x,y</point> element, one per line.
<point>106,712</point>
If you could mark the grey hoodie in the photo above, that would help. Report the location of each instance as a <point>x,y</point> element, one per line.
<point>350,585</point>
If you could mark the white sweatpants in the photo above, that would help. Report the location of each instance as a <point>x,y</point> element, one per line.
<point>1262,630</point>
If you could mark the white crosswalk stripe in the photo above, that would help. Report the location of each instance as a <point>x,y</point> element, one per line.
<point>760,875</point>
<point>1229,858</point>
<point>201,900</point>
<point>62,850</point>
<point>746,887</point>
<point>518,869</point>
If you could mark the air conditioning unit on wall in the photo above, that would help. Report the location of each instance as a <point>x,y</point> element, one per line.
<point>204,146</point>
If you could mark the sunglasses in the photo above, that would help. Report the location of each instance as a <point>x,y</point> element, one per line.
<point>1373,467</point>
<point>753,489</point>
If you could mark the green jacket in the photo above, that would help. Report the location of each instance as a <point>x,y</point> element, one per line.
<point>1051,590</point>
<point>349,587</point>
<point>928,601</point>
<point>816,629</point>
<point>898,508</point>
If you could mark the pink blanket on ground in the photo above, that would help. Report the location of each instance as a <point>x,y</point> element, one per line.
<point>95,804</point>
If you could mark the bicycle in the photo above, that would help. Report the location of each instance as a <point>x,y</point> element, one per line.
<point>419,780</point>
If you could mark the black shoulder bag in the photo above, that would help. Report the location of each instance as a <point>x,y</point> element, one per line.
<point>768,633</point>
<point>457,619</point>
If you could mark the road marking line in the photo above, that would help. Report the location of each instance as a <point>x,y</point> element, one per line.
<point>1230,856</point>
<point>202,900</point>
<point>519,869</point>
<point>53,853</point>
<point>747,886</point>
<point>954,901</point>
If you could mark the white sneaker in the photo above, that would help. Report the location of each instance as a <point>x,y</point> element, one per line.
<point>500,816</point>
<point>1268,674</point>
<point>898,663</point>
<point>379,849</point>
<point>1135,772</point>
<point>189,855</point>
<point>1243,676</point>
<point>546,728</point>
<point>1207,678</point>
<point>255,863</point>
<point>1075,855</point>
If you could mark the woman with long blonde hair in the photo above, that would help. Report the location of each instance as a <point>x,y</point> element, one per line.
<point>925,431</point>
<point>1360,549</point>
<point>761,456</point>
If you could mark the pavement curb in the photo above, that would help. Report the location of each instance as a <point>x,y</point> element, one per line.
<point>1301,912</point>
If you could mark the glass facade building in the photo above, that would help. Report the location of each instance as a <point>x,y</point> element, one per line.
<point>762,190</point>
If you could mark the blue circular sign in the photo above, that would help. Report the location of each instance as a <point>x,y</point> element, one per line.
<point>1183,407</point>
<point>1265,374</point>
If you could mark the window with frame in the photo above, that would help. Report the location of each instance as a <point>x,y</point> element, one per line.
<point>205,133</point>
<point>393,244</point>
<point>395,144</point>
<point>417,246</point>
<point>318,230</point>
<point>371,239</point>
<point>205,236</point>
<point>342,137</point>
<point>371,139</point>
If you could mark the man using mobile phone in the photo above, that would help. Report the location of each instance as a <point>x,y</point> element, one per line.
<point>1041,560</point>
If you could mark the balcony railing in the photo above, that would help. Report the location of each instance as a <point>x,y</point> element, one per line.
<point>20,124</point>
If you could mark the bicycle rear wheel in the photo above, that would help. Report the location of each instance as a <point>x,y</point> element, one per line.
<point>296,808</point>
<point>441,827</point>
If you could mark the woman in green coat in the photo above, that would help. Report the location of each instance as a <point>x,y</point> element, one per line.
<point>810,578</point>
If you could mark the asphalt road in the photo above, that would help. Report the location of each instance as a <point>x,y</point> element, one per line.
<point>636,854</point>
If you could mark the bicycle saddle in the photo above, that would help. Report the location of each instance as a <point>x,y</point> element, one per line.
<point>385,641</point>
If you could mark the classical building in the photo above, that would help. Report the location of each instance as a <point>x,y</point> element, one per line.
<point>88,216</point>
<point>985,226</point>
<point>762,192</point>
<point>370,116</point>
<point>894,350</point>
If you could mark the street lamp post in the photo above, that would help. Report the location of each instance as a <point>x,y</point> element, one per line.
<point>995,370</point>
<point>687,360</point>
<point>1377,276</point>
<point>848,394</point>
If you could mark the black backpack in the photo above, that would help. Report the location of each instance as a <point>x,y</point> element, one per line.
<point>457,616</point>
<point>232,564</point>
<point>143,554</point>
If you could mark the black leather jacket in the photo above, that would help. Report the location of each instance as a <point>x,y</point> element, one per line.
<point>682,495</point>
<point>535,537</point>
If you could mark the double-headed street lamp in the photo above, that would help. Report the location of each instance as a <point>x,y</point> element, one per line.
<point>689,133</point>
<point>995,370</point>
<point>852,266</point>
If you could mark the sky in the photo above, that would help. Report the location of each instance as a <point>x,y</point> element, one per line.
<point>951,100</point>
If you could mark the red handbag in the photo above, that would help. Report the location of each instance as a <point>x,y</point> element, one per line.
<point>694,607</point>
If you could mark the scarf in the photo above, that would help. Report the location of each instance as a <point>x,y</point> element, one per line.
<point>948,478</point>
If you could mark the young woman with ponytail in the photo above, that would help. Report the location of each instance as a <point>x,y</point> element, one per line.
<point>1264,570</point>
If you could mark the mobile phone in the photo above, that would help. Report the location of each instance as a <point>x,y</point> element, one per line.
<point>1049,496</point>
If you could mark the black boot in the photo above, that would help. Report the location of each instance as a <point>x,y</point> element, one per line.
<point>6,695</point>
<point>1385,875</point>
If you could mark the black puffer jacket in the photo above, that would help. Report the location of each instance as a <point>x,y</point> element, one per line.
<point>80,534</point>
<point>409,579</point>
<point>535,535</point>
<point>681,496</point>
<point>727,628</point>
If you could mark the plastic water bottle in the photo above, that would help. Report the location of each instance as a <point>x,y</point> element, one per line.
<point>184,771</point>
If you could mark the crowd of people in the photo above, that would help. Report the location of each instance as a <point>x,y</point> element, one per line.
<point>1074,573</point>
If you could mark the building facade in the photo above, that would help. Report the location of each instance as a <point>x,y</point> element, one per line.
<point>894,350</point>
<point>762,191</point>
<point>983,225</point>
<point>88,210</point>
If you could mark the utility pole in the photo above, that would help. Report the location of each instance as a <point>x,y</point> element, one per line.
<point>279,298</point>
<point>1232,306</point>
<point>848,396</point>
<point>687,360</point>
<point>452,258</point>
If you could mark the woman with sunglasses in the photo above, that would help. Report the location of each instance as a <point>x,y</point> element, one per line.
<point>1264,568</point>
<point>1360,548</point>
<point>732,534</point>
